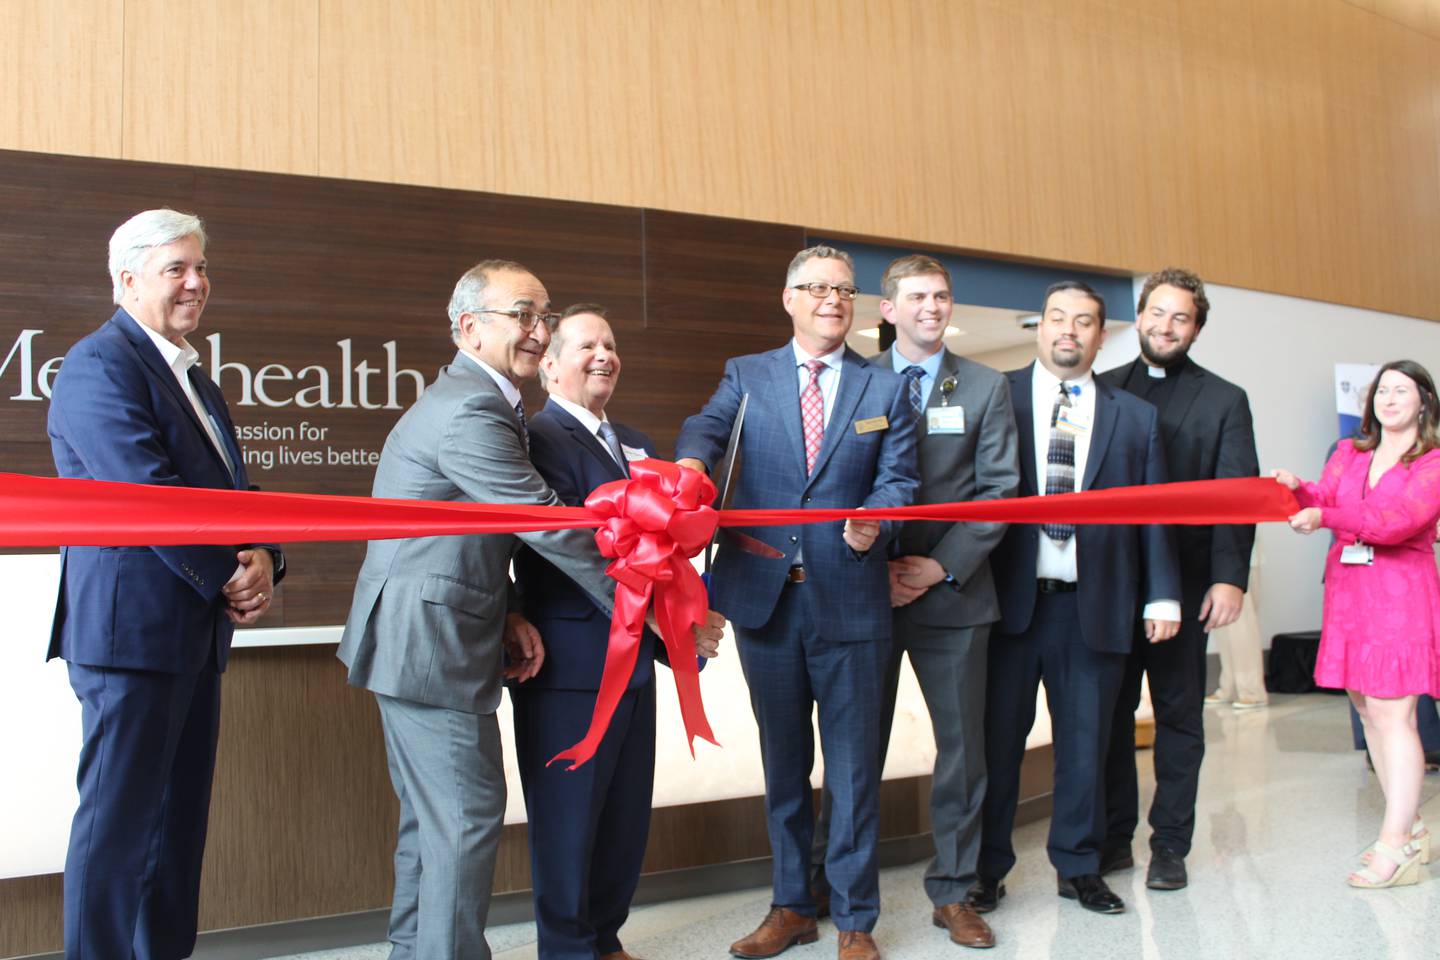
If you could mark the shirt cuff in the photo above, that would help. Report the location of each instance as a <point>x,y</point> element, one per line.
<point>1162,610</point>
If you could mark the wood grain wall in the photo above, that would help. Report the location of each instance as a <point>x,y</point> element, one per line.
<point>1282,145</point>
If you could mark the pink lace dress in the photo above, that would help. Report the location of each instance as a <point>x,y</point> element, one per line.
<point>1381,632</point>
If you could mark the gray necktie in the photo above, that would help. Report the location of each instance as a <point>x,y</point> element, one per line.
<point>1060,465</point>
<point>607,433</point>
<point>524,430</point>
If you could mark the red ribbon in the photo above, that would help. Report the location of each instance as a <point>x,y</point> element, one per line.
<point>650,524</point>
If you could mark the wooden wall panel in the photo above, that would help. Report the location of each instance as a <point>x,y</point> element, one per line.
<point>60,76</point>
<point>1285,145</point>
<point>222,84</point>
<point>549,99</point>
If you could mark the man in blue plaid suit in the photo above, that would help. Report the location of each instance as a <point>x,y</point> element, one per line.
<point>824,428</point>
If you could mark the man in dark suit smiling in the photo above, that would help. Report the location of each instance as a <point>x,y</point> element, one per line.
<point>1206,428</point>
<point>1070,597</point>
<point>824,428</point>
<point>146,630</point>
<point>588,827</point>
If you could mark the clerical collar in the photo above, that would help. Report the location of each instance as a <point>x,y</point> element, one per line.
<point>1155,373</point>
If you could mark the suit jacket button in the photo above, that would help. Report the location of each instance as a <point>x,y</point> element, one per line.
<point>794,539</point>
<point>807,499</point>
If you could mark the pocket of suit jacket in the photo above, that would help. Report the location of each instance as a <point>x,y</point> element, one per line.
<point>466,597</point>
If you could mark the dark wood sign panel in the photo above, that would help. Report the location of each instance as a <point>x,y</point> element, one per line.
<point>327,312</point>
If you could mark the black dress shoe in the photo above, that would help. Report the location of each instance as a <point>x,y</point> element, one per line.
<point>985,894</point>
<point>1167,871</point>
<point>1092,893</point>
<point>1117,857</point>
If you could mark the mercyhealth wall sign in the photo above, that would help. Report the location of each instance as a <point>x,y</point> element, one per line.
<point>351,384</point>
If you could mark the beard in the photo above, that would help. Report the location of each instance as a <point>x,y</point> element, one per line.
<point>1162,359</point>
<point>1066,360</point>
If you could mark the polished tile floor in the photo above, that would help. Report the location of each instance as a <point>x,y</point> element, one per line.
<point>1285,809</point>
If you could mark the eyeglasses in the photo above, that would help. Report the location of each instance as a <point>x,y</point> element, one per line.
<point>526,317</point>
<point>820,290</point>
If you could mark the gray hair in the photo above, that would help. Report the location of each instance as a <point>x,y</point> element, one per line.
<point>133,240</point>
<point>819,252</point>
<point>469,295</point>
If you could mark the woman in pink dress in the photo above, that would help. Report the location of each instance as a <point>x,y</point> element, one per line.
<point>1380,496</point>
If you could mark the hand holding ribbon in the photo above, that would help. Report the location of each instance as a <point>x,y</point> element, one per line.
<point>652,524</point>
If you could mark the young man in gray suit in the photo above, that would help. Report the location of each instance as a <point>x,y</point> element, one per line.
<point>940,584</point>
<point>431,614</point>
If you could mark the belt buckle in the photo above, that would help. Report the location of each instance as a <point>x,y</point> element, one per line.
<point>796,574</point>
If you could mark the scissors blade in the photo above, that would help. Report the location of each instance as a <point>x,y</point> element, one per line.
<point>726,472</point>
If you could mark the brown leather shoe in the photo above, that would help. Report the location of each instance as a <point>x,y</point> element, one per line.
<point>779,931</point>
<point>857,945</point>
<point>617,955</point>
<point>966,927</point>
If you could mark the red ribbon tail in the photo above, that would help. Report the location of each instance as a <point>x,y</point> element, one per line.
<point>679,606</point>
<point>625,627</point>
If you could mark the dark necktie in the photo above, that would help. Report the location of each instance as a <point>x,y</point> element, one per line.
<point>913,373</point>
<point>607,433</point>
<point>812,414</point>
<point>524,430</point>
<point>1060,465</point>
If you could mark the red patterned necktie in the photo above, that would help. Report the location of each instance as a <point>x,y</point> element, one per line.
<point>812,414</point>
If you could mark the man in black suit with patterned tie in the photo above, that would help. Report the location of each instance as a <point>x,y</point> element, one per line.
<point>1070,597</point>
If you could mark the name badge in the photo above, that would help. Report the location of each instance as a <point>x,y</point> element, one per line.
<point>1361,554</point>
<point>1072,421</point>
<point>872,424</point>
<point>633,453</point>
<point>945,420</point>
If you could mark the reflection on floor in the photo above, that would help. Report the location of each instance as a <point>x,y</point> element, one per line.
<point>1285,809</point>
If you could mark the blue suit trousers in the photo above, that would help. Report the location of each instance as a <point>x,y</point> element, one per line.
<point>791,668</point>
<point>1081,686</point>
<point>597,815</point>
<point>132,873</point>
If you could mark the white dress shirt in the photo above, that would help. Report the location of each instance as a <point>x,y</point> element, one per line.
<point>829,375</point>
<point>587,420</point>
<point>180,359</point>
<point>1056,561</point>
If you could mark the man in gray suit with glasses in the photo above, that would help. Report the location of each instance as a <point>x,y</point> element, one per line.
<point>431,632</point>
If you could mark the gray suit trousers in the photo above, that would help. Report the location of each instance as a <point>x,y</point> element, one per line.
<point>448,773</point>
<point>950,666</point>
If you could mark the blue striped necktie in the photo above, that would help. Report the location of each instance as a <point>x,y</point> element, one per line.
<point>913,374</point>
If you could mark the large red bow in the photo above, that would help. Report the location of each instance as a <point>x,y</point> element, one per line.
<point>652,524</point>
